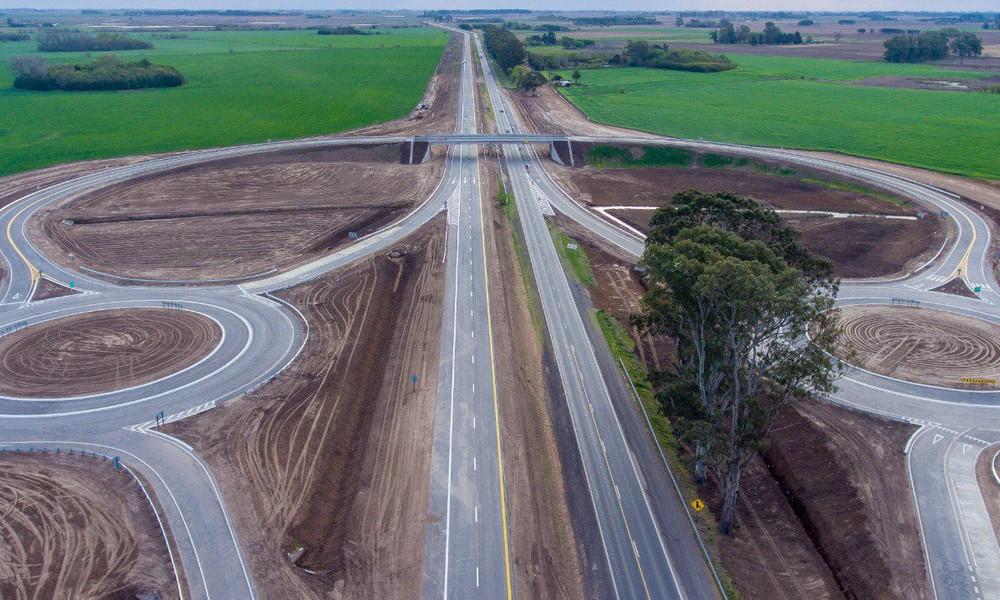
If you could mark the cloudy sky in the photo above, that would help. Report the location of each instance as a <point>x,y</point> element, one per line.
<point>817,5</point>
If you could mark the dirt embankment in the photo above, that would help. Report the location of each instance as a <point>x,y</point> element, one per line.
<point>845,474</point>
<point>547,551</point>
<point>234,218</point>
<point>820,516</point>
<point>74,527</point>
<point>102,351</point>
<point>333,456</point>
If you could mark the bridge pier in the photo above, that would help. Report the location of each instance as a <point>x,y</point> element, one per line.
<point>414,152</point>
<point>561,151</point>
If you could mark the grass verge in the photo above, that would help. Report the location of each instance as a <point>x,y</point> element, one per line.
<point>506,201</point>
<point>572,256</point>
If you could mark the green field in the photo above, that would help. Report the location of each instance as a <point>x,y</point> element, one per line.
<point>806,103</point>
<point>242,86</point>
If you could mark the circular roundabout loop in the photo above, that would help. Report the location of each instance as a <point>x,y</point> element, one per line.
<point>921,345</point>
<point>102,351</point>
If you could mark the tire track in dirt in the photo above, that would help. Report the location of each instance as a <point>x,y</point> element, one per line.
<point>102,351</point>
<point>76,528</point>
<point>333,457</point>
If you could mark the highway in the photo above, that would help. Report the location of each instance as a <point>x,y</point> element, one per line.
<point>649,547</point>
<point>467,546</point>
<point>639,562</point>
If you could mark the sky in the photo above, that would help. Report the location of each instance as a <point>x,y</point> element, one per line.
<point>797,5</point>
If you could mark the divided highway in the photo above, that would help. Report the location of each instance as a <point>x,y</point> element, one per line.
<point>640,564</point>
<point>650,549</point>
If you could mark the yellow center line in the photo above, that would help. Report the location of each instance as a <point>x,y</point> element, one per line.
<point>493,370</point>
<point>10,238</point>
<point>963,265</point>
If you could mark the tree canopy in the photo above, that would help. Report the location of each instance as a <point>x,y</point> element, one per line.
<point>730,284</point>
<point>105,73</point>
<point>506,49</point>
<point>727,33</point>
<point>924,46</point>
<point>643,54</point>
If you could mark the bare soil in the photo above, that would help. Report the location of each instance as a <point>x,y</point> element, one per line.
<point>48,289</point>
<point>988,484</point>
<point>547,554</point>
<point>932,83</point>
<point>956,286</point>
<point>234,218</point>
<point>845,475</point>
<point>333,456</point>
<point>860,247</point>
<point>74,527</point>
<point>102,351</point>
<point>920,344</point>
<point>871,247</point>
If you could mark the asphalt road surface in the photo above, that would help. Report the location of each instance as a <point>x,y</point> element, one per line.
<point>650,549</point>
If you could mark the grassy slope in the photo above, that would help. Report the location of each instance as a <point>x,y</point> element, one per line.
<point>242,87</point>
<point>806,103</point>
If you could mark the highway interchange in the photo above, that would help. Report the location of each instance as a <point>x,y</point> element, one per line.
<point>650,549</point>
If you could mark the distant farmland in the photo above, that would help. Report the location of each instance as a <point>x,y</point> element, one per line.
<point>242,87</point>
<point>807,103</point>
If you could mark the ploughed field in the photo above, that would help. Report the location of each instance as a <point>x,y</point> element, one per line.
<point>242,86</point>
<point>233,219</point>
<point>102,351</point>
<point>810,103</point>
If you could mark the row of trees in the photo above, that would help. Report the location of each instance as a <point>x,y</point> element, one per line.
<point>105,73</point>
<point>931,45</point>
<point>727,33</point>
<point>733,287</point>
<point>340,31</point>
<point>507,50</point>
<point>549,39</point>
<point>642,54</point>
<point>610,20</point>
<point>84,42</point>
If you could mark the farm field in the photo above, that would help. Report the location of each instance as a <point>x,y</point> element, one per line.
<point>806,103</point>
<point>242,87</point>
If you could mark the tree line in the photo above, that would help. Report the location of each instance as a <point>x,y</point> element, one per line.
<point>84,42</point>
<point>506,49</point>
<point>660,56</point>
<point>105,73</point>
<point>727,33</point>
<point>735,290</point>
<point>931,45</point>
<point>340,31</point>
